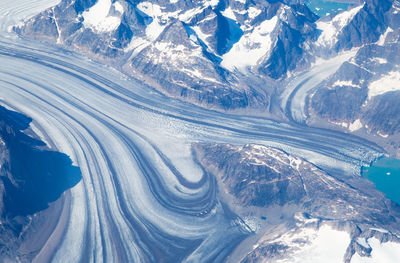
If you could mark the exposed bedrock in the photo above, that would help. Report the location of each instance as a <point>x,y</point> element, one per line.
<point>31,177</point>
<point>267,181</point>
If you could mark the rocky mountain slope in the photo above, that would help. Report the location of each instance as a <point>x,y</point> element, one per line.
<point>362,94</point>
<point>198,50</point>
<point>231,54</point>
<point>296,204</point>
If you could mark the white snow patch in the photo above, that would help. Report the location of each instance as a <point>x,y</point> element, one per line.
<point>194,38</point>
<point>154,30</point>
<point>200,36</point>
<point>118,7</point>
<point>228,12</point>
<point>185,17</point>
<point>355,126</point>
<point>396,7</point>
<point>253,12</point>
<point>152,10</point>
<point>98,19</point>
<point>341,83</point>
<point>387,83</point>
<point>383,37</point>
<point>324,245</point>
<point>198,74</point>
<point>251,47</point>
<point>381,252</point>
<point>159,18</point>
<point>380,230</point>
<point>343,124</point>
<point>363,242</point>
<point>380,60</point>
<point>58,28</point>
<point>383,135</point>
<point>262,155</point>
<point>157,12</point>
<point>242,12</point>
<point>212,3</point>
<point>299,217</point>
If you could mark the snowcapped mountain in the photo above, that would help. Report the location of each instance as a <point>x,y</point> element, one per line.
<point>362,93</point>
<point>188,49</point>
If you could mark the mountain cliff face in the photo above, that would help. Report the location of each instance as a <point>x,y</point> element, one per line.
<point>258,177</point>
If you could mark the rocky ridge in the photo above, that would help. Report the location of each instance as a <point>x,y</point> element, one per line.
<point>261,178</point>
<point>197,50</point>
<point>231,54</point>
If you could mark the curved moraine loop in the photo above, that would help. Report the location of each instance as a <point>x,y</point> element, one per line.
<point>142,197</point>
<point>296,92</point>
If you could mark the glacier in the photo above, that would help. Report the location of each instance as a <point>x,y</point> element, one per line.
<point>142,197</point>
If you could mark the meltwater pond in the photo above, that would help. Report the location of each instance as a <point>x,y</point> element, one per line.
<point>385,173</point>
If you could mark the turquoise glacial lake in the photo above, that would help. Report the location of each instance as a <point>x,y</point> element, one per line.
<point>385,173</point>
<point>324,8</point>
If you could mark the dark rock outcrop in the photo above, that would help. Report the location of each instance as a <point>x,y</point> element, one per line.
<point>31,177</point>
